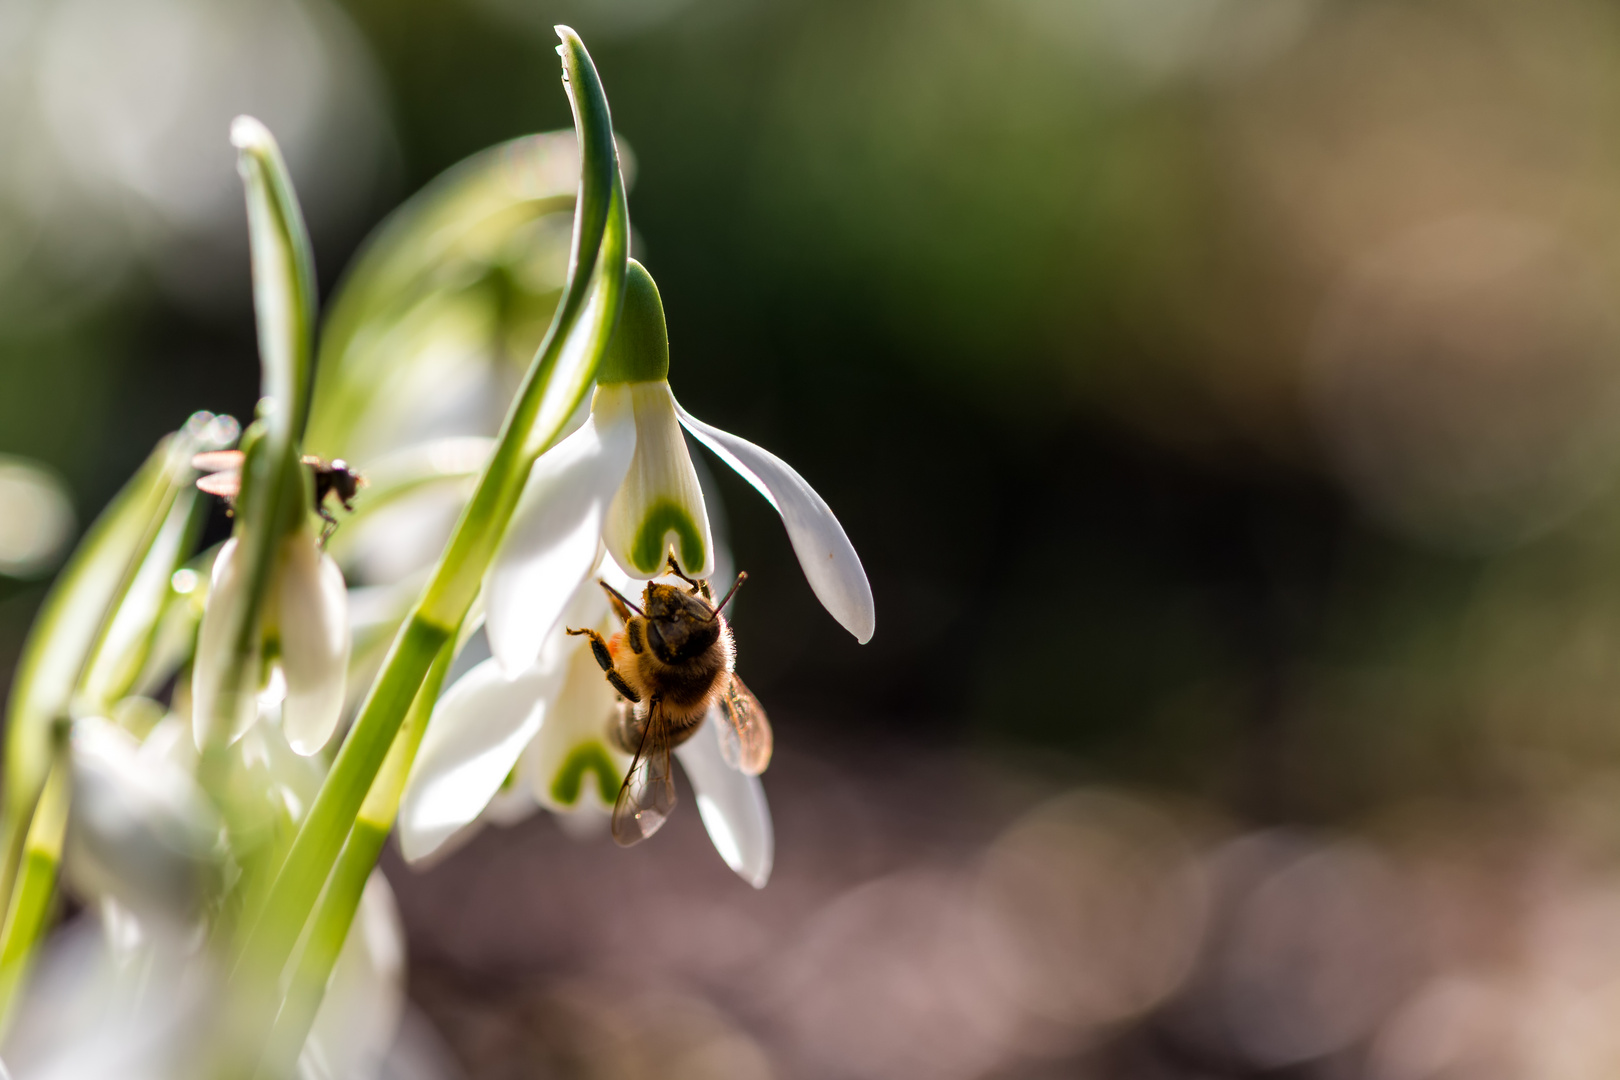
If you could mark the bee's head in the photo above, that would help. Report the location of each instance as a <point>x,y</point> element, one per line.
<point>670,604</point>
<point>682,624</point>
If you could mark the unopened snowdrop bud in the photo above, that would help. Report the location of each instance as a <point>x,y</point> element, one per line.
<point>311,609</point>
<point>140,831</point>
<point>306,620</point>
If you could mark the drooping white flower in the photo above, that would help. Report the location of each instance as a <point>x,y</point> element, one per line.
<point>305,623</point>
<point>138,993</point>
<point>365,999</point>
<point>545,731</point>
<point>625,479</point>
<point>140,830</point>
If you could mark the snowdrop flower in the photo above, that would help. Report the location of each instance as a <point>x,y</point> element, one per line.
<point>365,999</point>
<point>304,627</point>
<point>140,831</point>
<point>624,479</point>
<point>142,993</point>
<point>546,728</point>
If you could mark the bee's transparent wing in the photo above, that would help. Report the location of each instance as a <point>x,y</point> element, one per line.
<point>745,735</point>
<point>647,796</point>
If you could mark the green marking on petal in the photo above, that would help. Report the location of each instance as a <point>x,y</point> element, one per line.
<point>608,780</point>
<point>639,349</point>
<point>663,517</point>
<point>589,756</point>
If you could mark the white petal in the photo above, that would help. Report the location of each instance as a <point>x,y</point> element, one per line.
<point>731,804</point>
<point>366,996</point>
<point>312,611</point>
<point>554,537</point>
<point>140,829</point>
<point>284,779</point>
<point>828,558</point>
<point>478,730</point>
<point>513,804</point>
<point>572,764</point>
<point>214,651</point>
<point>660,505</point>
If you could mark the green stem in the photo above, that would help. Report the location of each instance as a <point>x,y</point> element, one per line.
<point>341,899</point>
<point>36,883</point>
<point>556,383</point>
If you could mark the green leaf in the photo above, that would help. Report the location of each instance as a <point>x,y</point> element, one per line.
<point>70,621</point>
<point>120,658</point>
<point>283,276</point>
<point>85,642</point>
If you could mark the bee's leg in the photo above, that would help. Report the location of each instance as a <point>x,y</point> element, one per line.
<point>599,646</point>
<point>698,587</point>
<point>604,660</point>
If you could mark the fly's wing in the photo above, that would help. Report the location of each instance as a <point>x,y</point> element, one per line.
<point>647,796</point>
<point>745,737</point>
<point>224,469</point>
<point>217,460</point>
<point>227,485</point>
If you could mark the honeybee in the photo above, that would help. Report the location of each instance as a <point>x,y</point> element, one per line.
<point>223,469</point>
<point>671,664</point>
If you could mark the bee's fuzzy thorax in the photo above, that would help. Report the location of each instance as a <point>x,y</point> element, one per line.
<point>686,687</point>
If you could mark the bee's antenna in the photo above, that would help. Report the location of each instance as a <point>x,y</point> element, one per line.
<point>741,577</point>
<point>622,598</point>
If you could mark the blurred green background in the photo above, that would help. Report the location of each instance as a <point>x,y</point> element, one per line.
<point>1223,395</point>
<point>1184,370</point>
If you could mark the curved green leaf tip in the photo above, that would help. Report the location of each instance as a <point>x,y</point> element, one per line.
<point>283,273</point>
<point>639,351</point>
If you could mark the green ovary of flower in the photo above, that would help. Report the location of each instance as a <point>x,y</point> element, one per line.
<point>639,349</point>
<point>664,517</point>
<point>590,756</point>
